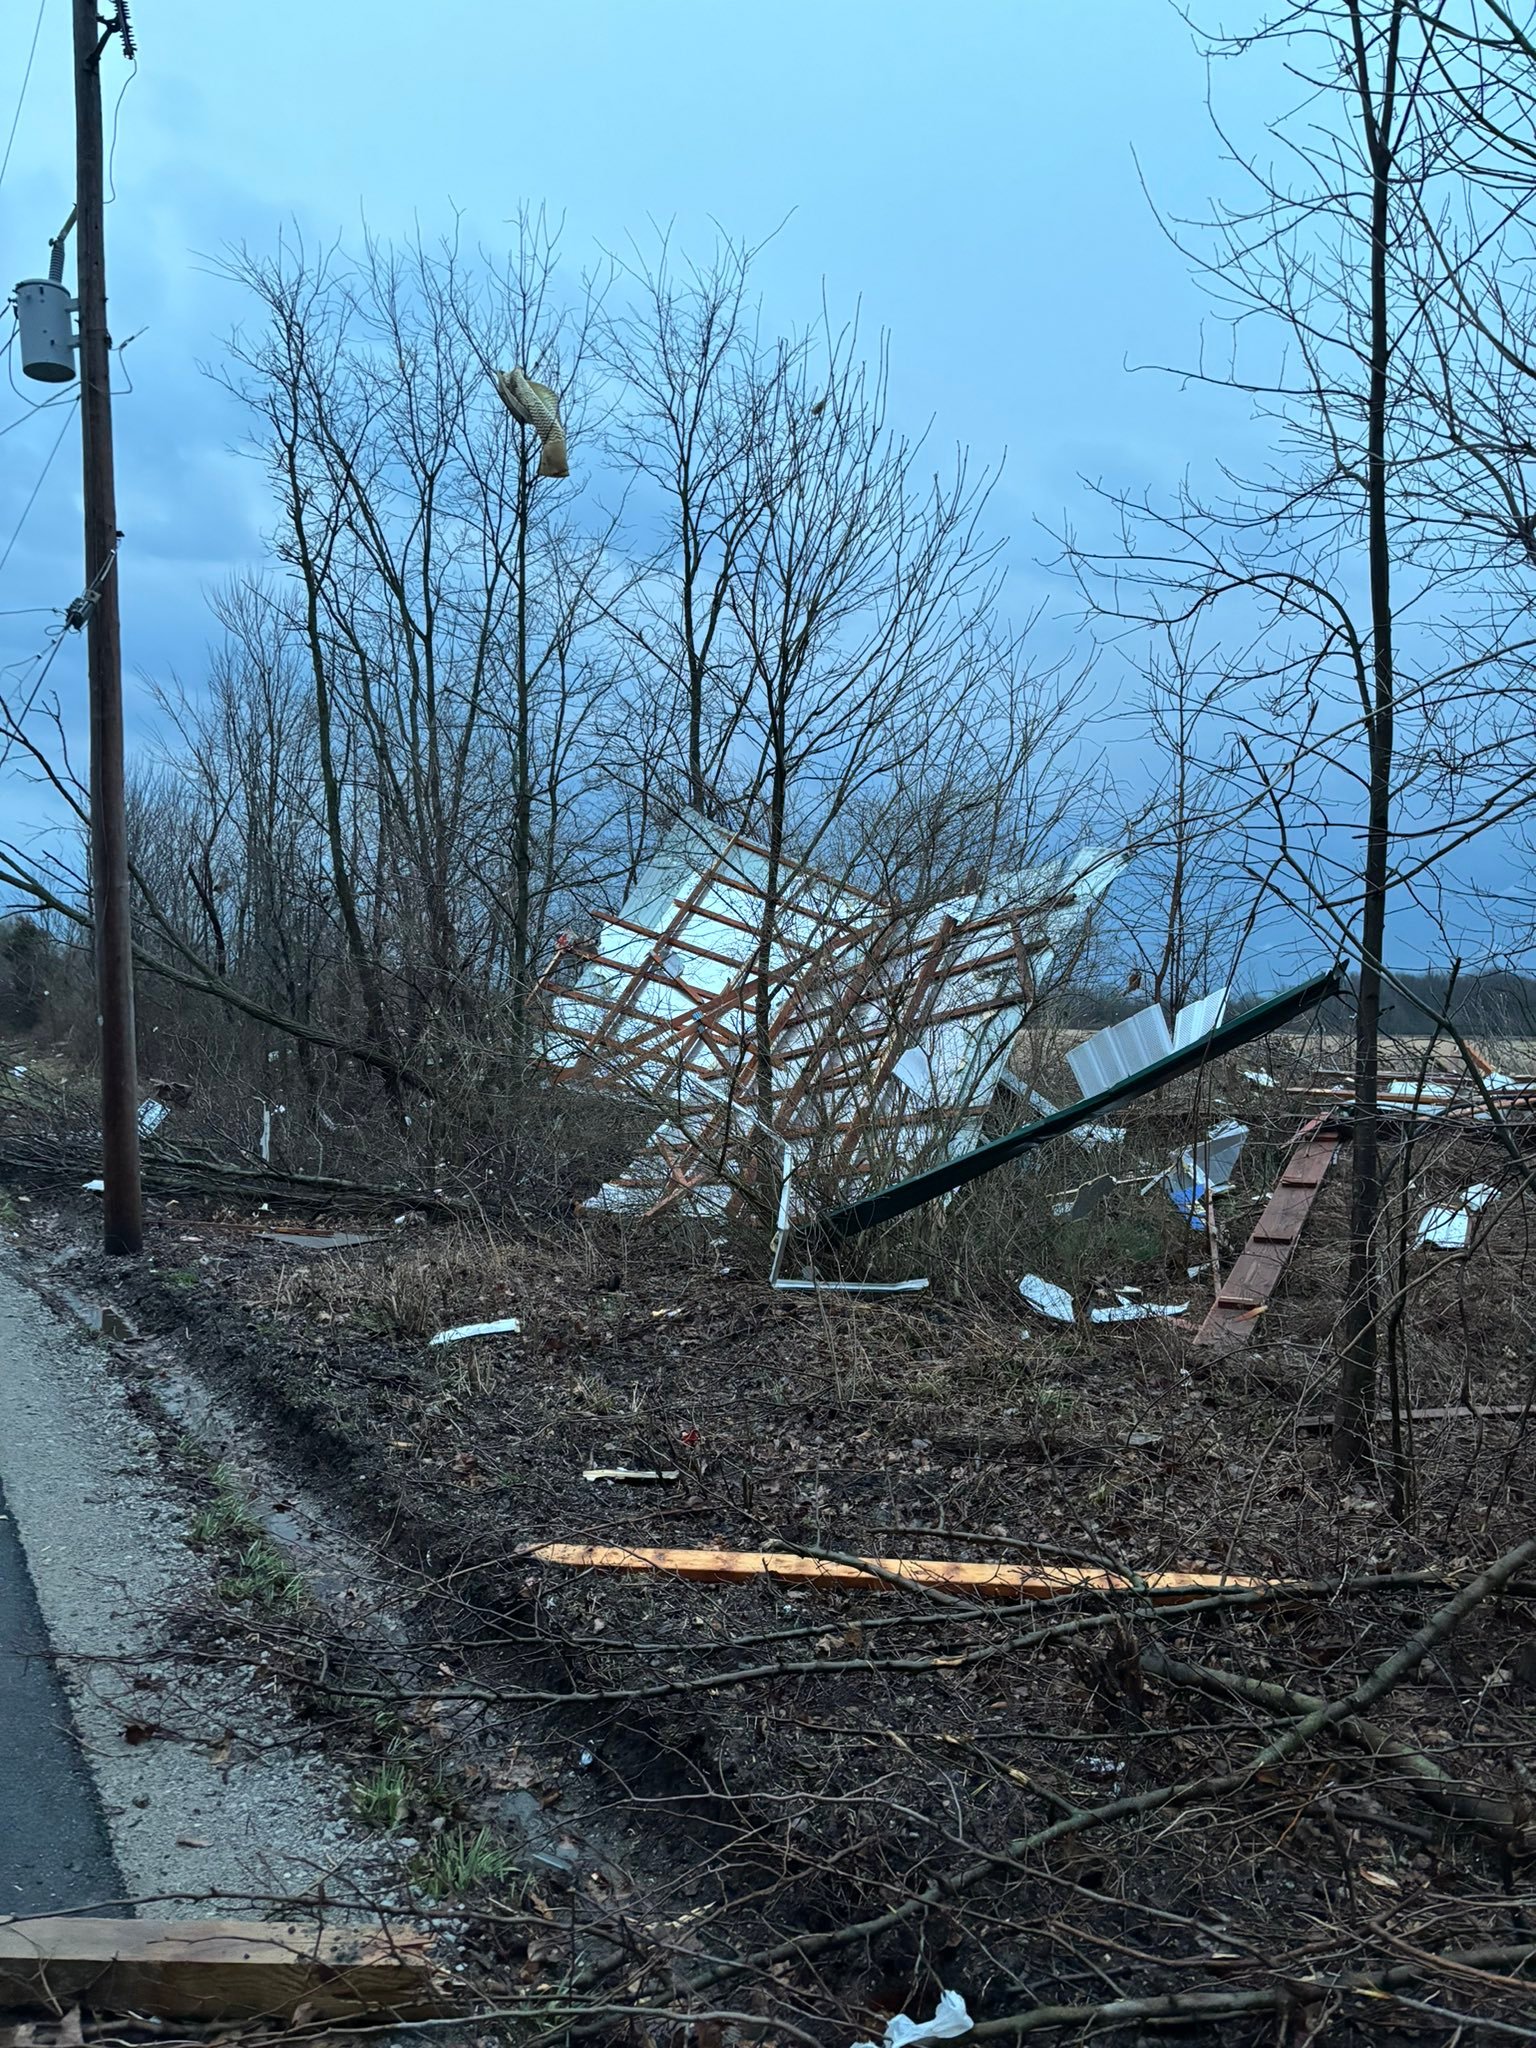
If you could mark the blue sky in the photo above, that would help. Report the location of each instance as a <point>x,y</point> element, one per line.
<point>970,181</point>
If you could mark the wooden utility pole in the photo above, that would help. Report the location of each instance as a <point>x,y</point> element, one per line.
<point>111,908</point>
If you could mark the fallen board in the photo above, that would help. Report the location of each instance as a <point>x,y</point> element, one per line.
<point>214,1969</point>
<point>978,1581</point>
<point>1244,1294</point>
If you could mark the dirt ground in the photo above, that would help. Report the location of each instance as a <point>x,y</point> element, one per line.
<point>790,1812</point>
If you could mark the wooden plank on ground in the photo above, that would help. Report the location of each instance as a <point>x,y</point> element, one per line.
<point>976,1581</point>
<point>215,1969</point>
<point>1255,1273</point>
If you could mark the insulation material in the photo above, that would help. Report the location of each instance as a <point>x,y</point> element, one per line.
<point>535,405</point>
<point>889,1028</point>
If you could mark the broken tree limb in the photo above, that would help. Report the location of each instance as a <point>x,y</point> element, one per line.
<point>203,981</point>
<point>1493,1817</point>
<point>215,1969</point>
<point>1132,1805</point>
<point>1292,1992</point>
<point>50,1161</point>
<point>979,1581</point>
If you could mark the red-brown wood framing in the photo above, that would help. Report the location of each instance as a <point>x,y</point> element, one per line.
<point>854,982</point>
<point>1244,1295</point>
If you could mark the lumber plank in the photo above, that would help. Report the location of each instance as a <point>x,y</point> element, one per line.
<point>214,1969</point>
<point>1256,1271</point>
<point>979,1581</point>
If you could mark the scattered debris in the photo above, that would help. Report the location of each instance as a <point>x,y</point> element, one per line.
<point>321,1240</point>
<point>808,1283</point>
<point>1080,1202</point>
<point>1202,1171</point>
<point>505,1326</point>
<point>152,1115</point>
<point>934,1181</point>
<point>1459,1414</point>
<point>950,2020</point>
<point>1137,1311</point>
<point>1049,1299</point>
<point>1259,1078</point>
<point>93,1187</point>
<point>1449,1226</point>
<point>982,1581</point>
<point>621,1475</point>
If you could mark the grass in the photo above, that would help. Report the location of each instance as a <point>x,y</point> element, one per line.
<point>226,1517</point>
<point>458,1862</point>
<point>264,1578</point>
<point>383,1799</point>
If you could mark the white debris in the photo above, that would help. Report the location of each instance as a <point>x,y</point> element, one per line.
<point>1049,1299</point>
<point>1203,1170</point>
<point>914,1072</point>
<point>152,1115</point>
<point>1194,1272</point>
<point>1449,1226</point>
<point>17,1072</point>
<point>1259,1078</point>
<point>1199,1019</point>
<point>94,1187</point>
<point>949,2022</point>
<point>1120,1050</point>
<point>1137,1311</point>
<point>506,1326</point>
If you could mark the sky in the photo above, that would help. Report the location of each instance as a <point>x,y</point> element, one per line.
<point>978,188</point>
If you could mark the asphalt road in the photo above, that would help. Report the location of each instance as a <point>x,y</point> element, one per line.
<point>54,1851</point>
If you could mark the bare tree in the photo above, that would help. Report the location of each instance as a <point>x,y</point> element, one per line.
<point>1369,668</point>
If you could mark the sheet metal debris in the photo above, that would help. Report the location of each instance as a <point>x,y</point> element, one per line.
<point>1449,1225</point>
<point>1126,1311</point>
<point>925,1186</point>
<point>1203,1170</point>
<point>622,1475</point>
<point>1078,1203</point>
<point>504,1326</point>
<point>1138,1040</point>
<point>1049,1299</point>
<point>889,1026</point>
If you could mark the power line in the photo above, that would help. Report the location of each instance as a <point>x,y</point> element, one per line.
<point>26,78</point>
<point>32,500</point>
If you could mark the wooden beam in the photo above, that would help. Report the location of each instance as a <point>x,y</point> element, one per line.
<point>979,1581</point>
<point>215,1969</point>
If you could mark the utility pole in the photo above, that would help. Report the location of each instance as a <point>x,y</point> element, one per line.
<point>122,1202</point>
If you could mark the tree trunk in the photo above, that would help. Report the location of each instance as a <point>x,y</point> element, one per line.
<point>1359,1350</point>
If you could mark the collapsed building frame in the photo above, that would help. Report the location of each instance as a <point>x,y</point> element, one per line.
<point>885,1029</point>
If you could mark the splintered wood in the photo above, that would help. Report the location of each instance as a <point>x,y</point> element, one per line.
<point>1245,1293</point>
<point>975,1581</point>
<point>215,1969</point>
